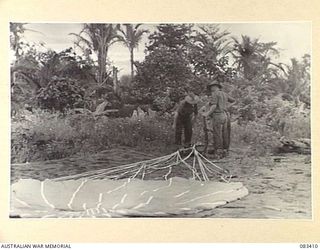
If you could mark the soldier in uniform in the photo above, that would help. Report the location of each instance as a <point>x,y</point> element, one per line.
<point>221,127</point>
<point>184,118</point>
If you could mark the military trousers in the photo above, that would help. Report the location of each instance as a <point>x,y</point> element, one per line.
<point>183,125</point>
<point>221,130</point>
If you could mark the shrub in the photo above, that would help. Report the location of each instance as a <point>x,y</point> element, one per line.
<point>61,94</point>
<point>43,135</point>
<point>135,133</point>
<point>40,135</point>
<point>290,120</point>
<point>259,137</point>
<point>297,126</point>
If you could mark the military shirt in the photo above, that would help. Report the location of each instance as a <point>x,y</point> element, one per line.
<point>186,109</point>
<point>220,99</point>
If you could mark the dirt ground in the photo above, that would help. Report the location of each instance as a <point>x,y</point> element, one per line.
<point>279,186</point>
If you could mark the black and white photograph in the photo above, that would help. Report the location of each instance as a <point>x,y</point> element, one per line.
<point>160,120</point>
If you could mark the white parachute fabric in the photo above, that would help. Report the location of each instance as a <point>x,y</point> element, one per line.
<point>112,198</point>
<point>148,188</point>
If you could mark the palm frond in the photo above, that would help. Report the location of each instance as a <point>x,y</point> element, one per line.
<point>81,39</point>
<point>136,27</point>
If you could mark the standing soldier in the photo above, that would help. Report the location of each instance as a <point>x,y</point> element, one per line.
<point>220,118</point>
<point>184,118</point>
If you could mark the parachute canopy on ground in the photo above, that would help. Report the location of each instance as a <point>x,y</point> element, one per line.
<point>156,187</point>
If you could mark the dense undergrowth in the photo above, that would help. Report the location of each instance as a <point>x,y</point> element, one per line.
<point>44,135</point>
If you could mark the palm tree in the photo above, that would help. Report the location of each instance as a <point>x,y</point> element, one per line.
<point>298,79</point>
<point>97,38</point>
<point>131,37</point>
<point>246,54</point>
<point>253,56</point>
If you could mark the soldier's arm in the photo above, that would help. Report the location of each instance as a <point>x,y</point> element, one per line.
<point>195,113</point>
<point>230,99</point>
<point>213,105</point>
<point>176,113</point>
<point>212,108</point>
<point>195,110</point>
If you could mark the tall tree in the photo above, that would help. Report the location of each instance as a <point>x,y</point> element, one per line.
<point>17,44</point>
<point>16,33</point>
<point>166,69</point>
<point>298,79</point>
<point>131,35</point>
<point>252,56</point>
<point>208,51</point>
<point>172,36</point>
<point>98,38</point>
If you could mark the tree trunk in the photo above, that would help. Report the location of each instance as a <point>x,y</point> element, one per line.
<point>247,72</point>
<point>99,67</point>
<point>206,137</point>
<point>102,58</point>
<point>131,62</point>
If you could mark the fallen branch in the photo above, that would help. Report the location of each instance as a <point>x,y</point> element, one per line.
<point>300,146</point>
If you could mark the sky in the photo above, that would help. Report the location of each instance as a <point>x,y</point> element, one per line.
<point>293,39</point>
